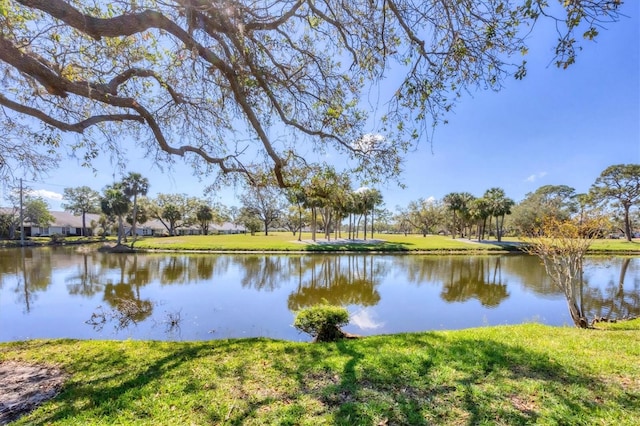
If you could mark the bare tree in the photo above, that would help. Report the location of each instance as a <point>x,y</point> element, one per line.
<point>266,202</point>
<point>562,247</point>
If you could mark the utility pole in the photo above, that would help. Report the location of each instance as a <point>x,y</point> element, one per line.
<point>21,217</point>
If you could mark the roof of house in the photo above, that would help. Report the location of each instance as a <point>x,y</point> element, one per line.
<point>68,219</point>
<point>60,218</point>
<point>65,219</point>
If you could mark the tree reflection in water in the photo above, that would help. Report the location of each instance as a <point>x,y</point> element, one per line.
<point>32,270</point>
<point>87,279</point>
<point>476,278</point>
<point>263,272</point>
<point>116,284</point>
<point>616,300</point>
<point>337,280</point>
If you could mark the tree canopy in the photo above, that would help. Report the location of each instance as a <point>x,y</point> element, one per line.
<point>82,200</point>
<point>558,201</point>
<point>234,86</point>
<point>619,184</point>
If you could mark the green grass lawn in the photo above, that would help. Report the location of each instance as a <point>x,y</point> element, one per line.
<point>608,245</point>
<point>506,375</point>
<point>286,241</point>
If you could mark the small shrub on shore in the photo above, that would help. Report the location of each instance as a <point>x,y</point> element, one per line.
<point>322,322</point>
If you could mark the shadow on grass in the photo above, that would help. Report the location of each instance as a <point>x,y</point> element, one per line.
<point>461,381</point>
<point>416,379</point>
<point>115,388</point>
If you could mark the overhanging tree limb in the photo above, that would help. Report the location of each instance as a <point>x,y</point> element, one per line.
<point>289,76</point>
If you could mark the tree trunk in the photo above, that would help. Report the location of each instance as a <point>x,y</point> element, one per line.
<point>134,232</point>
<point>299,224</point>
<point>365,226</point>
<point>627,224</point>
<point>453,226</point>
<point>372,212</point>
<point>84,224</point>
<point>484,226</point>
<point>352,226</point>
<point>327,224</point>
<point>576,315</point>
<point>314,223</point>
<point>120,230</point>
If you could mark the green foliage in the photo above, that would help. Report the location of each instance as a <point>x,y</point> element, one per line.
<point>555,201</point>
<point>115,203</point>
<point>7,222</point>
<point>151,63</point>
<point>57,238</point>
<point>619,184</point>
<point>322,322</point>
<point>81,200</point>
<point>36,211</point>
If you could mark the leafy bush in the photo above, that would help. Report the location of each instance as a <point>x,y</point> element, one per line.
<point>57,238</point>
<point>323,322</point>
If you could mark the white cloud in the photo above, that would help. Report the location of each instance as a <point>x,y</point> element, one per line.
<point>368,143</point>
<point>363,319</point>
<point>536,176</point>
<point>48,195</point>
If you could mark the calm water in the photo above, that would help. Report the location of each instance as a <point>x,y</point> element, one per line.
<point>65,292</point>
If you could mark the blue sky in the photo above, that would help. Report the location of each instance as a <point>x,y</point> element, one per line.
<point>554,127</point>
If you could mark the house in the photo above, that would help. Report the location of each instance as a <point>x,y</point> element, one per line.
<point>228,228</point>
<point>65,223</point>
<point>155,227</point>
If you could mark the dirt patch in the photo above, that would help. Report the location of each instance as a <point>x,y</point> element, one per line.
<point>25,386</point>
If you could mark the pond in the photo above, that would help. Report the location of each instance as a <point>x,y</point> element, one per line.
<point>82,293</point>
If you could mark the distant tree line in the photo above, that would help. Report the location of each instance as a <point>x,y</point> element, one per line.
<point>327,203</point>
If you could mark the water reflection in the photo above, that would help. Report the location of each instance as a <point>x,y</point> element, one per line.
<point>617,296</point>
<point>32,271</point>
<point>337,280</point>
<point>44,288</point>
<point>86,280</point>
<point>479,279</point>
<point>263,272</point>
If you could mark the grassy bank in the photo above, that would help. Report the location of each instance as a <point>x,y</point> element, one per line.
<point>287,242</point>
<point>497,375</point>
<point>48,241</point>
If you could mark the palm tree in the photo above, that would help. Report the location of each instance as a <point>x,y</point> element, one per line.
<point>115,203</point>
<point>479,212</point>
<point>457,202</point>
<point>298,197</point>
<point>499,206</point>
<point>374,198</point>
<point>133,185</point>
<point>465,200</point>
